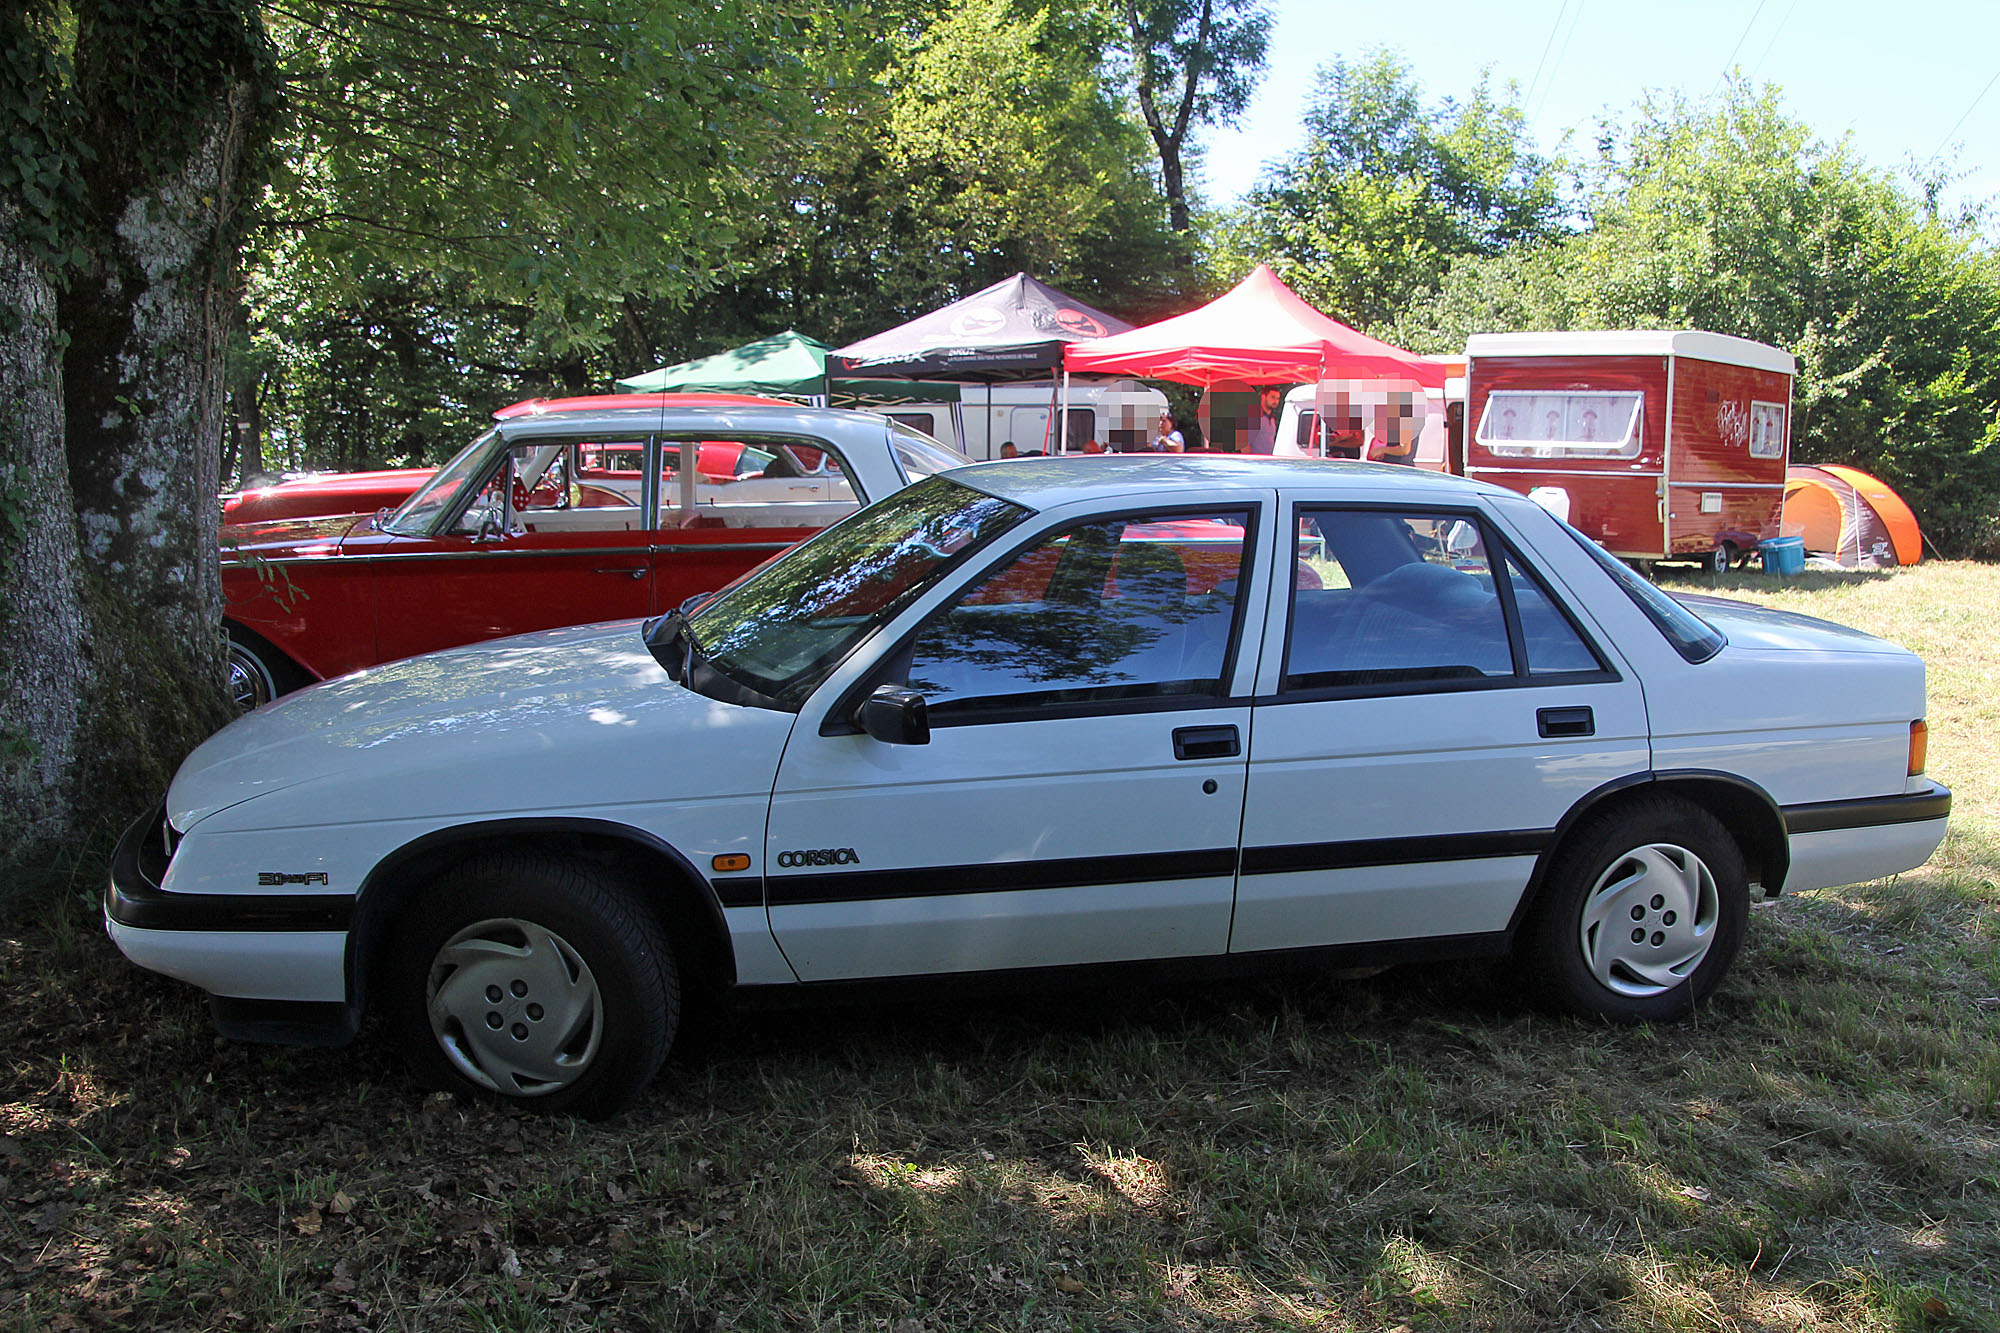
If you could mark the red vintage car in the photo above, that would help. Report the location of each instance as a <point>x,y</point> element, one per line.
<point>561,514</point>
<point>311,494</point>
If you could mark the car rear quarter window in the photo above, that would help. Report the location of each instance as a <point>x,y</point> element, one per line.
<point>1692,637</point>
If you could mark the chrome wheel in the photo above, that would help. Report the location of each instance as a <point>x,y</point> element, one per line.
<point>250,682</point>
<point>1649,920</point>
<point>514,1007</point>
<point>1721,558</point>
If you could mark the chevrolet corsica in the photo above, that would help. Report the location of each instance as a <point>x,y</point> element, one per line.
<point>1208,713</point>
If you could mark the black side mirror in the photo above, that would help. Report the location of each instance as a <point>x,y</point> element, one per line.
<point>896,715</point>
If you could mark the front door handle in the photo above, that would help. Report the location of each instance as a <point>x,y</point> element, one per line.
<point>635,573</point>
<point>1207,742</point>
<point>1565,722</point>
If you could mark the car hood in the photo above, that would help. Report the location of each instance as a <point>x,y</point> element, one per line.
<point>1761,627</point>
<point>283,535</point>
<point>487,728</point>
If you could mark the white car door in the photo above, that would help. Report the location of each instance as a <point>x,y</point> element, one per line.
<point>1080,797</point>
<point>1435,714</point>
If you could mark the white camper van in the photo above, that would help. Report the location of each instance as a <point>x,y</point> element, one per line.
<point>1342,418</point>
<point>1118,414</point>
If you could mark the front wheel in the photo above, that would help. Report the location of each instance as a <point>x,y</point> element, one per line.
<point>1643,912</point>
<point>537,980</point>
<point>1722,558</point>
<point>259,673</point>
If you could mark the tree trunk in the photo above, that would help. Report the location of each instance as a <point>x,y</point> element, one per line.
<point>43,671</point>
<point>147,317</point>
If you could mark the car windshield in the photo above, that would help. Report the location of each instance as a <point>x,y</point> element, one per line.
<point>419,514</point>
<point>921,455</point>
<point>781,630</point>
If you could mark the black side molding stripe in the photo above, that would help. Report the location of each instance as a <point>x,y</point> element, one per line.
<point>941,881</point>
<point>741,891</point>
<point>1869,812</point>
<point>1395,851</point>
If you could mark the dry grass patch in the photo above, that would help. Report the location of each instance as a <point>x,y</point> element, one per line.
<point>1818,1150</point>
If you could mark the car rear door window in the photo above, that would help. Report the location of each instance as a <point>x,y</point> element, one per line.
<point>1419,600</point>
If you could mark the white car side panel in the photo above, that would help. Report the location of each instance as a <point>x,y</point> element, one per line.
<point>1856,855</point>
<point>1021,793</point>
<point>758,961</point>
<point>254,965</point>
<point>1361,903</point>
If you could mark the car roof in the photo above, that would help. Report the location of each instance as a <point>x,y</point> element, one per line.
<point>604,402</point>
<point>1043,483</point>
<point>697,412</point>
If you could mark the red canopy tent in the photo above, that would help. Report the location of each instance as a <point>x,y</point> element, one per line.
<point>1260,332</point>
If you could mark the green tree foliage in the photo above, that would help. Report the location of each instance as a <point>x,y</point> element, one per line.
<point>905,155</point>
<point>1387,193</point>
<point>1730,217</point>
<point>1192,63</point>
<point>470,200</point>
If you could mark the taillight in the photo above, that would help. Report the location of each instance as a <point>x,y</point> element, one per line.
<point>1919,745</point>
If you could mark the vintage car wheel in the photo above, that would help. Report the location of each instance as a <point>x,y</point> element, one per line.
<point>1723,558</point>
<point>533,979</point>
<point>259,673</point>
<point>1642,914</point>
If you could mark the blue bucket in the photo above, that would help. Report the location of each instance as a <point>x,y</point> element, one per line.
<point>1783,556</point>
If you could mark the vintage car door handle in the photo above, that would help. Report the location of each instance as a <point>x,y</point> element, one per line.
<point>631,572</point>
<point>1565,722</point>
<point>1206,742</point>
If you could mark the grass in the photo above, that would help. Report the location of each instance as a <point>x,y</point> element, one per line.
<point>1818,1150</point>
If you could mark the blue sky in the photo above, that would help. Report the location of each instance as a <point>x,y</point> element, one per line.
<point>1911,79</point>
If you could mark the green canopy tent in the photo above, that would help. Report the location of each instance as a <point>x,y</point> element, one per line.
<point>787,365</point>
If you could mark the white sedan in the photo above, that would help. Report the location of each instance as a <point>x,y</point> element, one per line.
<point>1025,718</point>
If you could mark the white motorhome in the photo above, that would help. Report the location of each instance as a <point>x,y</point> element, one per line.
<point>1118,414</point>
<point>1341,418</point>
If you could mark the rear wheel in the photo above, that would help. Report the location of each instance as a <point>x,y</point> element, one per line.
<point>538,980</point>
<point>1642,914</point>
<point>1722,558</point>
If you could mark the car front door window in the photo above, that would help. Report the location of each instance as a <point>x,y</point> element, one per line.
<point>1127,608</point>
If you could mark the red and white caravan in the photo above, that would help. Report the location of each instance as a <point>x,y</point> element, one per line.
<point>1659,444</point>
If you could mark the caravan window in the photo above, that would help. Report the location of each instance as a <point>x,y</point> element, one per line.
<point>1531,424</point>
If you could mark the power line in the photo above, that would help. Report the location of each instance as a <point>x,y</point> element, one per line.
<point>1758,67</point>
<point>1554,28</point>
<point>1730,63</point>
<point>1968,112</point>
<point>1561,51</point>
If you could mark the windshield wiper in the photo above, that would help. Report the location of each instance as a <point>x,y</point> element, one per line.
<point>668,640</point>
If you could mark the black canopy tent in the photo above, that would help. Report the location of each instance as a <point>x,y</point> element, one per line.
<point>1014,330</point>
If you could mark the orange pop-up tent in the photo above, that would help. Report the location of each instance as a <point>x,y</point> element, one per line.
<point>1850,517</point>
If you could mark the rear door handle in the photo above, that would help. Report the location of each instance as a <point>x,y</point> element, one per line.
<point>1565,722</point>
<point>1206,742</point>
<point>637,572</point>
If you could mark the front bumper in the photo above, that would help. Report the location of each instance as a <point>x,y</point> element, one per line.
<point>274,965</point>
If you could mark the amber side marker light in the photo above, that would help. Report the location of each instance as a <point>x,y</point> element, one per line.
<point>1920,740</point>
<point>738,861</point>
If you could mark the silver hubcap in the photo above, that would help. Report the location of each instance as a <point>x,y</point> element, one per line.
<point>249,684</point>
<point>1649,920</point>
<point>515,1007</point>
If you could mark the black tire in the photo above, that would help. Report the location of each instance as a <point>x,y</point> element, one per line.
<point>1642,912</point>
<point>259,673</point>
<point>1723,558</point>
<point>554,987</point>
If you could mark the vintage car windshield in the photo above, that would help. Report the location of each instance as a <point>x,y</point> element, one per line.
<point>779,632</point>
<point>922,455</point>
<point>419,514</point>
